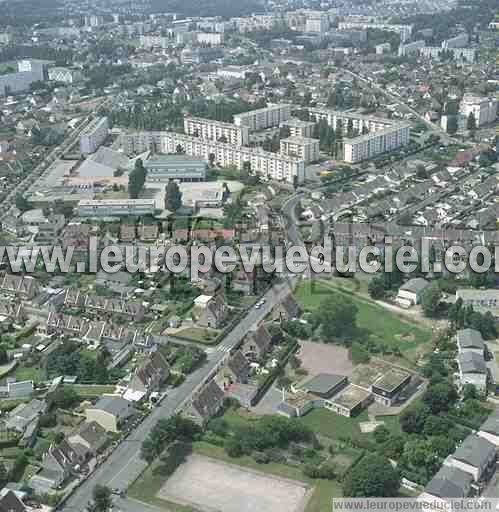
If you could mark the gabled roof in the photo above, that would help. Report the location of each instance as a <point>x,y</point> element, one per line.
<point>449,482</point>
<point>470,362</point>
<point>415,285</point>
<point>491,424</point>
<point>209,400</point>
<point>475,451</point>
<point>239,365</point>
<point>11,503</point>
<point>469,338</point>
<point>114,405</point>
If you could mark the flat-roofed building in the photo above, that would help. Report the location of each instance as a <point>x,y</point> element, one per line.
<point>216,131</point>
<point>94,135</point>
<point>350,401</point>
<point>162,168</point>
<point>301,147</point>
<point>388,387</point>
<point>140,142</point>
<point>115,207</point>
<point>299,128</point>
<point>263,118</point>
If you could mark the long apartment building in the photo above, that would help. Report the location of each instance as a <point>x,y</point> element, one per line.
<point>94,135</point>
<point>216,131</point>
<point>264,163</point>
<point>484,109</point>
<point>263,118</point>
<point>304,148</point>
<point>299,128</point>
<point>383,134</point>
<point>115,207</point>
<point>405,31</point>
<point>134,143</point>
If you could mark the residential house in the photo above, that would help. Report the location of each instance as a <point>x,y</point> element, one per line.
<point>22,286</point>
<point>476,456</point>
<point>490,428</point>
<point>472,370</point>
<point>110,412</point>
<point>411,292</point>
<point>210,310</point>
<point>206,404</point>
<point>11,502</point>
<point>148,377</point>
<point>288,309</point>
<point>470,340</point>
<point>22,416</point>
<point>256,343</point>
<point>91,436</point>
<point>449,483</point>
<point>236,370</point>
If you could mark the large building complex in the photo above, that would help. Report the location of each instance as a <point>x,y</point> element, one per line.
<point>217,131</point>
<point>456,42</point>
<point>264,163</point>
<point>94,135</point>
<point>484,109</point>
<point>299,128</point>
<point>377,135</point>
<point>161,168</point>
<point>407,49</point>
<point>135,143</point>
<point>263,118</point>
<point>115,207</point>
<point>29,71</point>
<point>436,52</point>
<point>405,31</point>
<point>303,148</point>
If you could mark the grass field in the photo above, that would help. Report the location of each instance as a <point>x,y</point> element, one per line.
<point>32,373</point>
<point>200,335</point>
<point>334,426</point>
<point>382,325</point>
<point>90,390</point>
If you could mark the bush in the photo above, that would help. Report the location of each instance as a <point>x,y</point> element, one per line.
<point>275,455</point>
<point>326,471</point>
<point>261,457</point>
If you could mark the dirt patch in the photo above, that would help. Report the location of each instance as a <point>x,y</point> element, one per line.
<point>323,358</point>
<point>213,486</point>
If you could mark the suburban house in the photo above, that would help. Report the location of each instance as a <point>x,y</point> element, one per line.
<point>449,483</point>
<point>472,370</point>
<point>11,502</point>
<point>209,310</point>
<point>148,377</point>
<point>22,286</point>
<point>410,293</point>
<point>24,415</point>
<point>477,456</point>
<point>206,404</point>
<point>91,436</point>
<point>110,412</point>
<point>490,428</point>
<point>470,340</point>
<point>256,343</point>
<point>236,370</point>
<point>286,310</point>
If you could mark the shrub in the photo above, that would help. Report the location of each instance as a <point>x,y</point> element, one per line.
<point>261,457</point>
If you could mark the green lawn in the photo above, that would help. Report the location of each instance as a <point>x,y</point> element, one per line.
<point>32,373</point>
<point>199,335</point>
<point>392,423</point>
<point>334,426</point>
<point>89,390</point>
<point>382,325</point>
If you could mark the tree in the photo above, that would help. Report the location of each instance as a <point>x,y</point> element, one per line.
<point>173,196</point>
<point>211,159</point>
<point>471,122</point>
<point>4,358</point>
<point>412,420</point>
<point>136,179</point>
<point>381,434</point>
<point>338,316</point>
<point>63,397</point>
<point>22,203</point>
<point>4,474</point>
<point>470,392</point>
<point>440,397</point>
<point>452,124</point>
<point>358,354</point>
<point>430,300</point>
<point>179,149</point>
<point>376,288</point>
<point>373,477</point>
<point>102,498</point>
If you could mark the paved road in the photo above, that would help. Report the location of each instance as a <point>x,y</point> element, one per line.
<point>124,465</point>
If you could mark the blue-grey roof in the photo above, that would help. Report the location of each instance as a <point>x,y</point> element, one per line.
<point>449,482</point>
<point>469,338</point>
<point>475,450</point>
<point>114,405</point>
<point>323,383</point>
<point>470,362</point>
<point>491,424</point>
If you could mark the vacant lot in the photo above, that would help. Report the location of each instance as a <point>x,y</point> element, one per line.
<point>321,358</point>
<point>381,325</point>
<point>211,486</point>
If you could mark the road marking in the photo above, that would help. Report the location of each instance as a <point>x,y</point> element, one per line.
<point>136,456</point>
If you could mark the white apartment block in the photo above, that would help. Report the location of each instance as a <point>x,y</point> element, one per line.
<point>301,147</point>
<point>484,109</point>
<point>334,117</point>
<point>407,49</point>
<point>94,135</point>
<point>210,38</point>
<point>152,41</point>
<point>255,22</point>
<point>435,52</point>
<point>115,207</point>
<point>215,130</point>
<point>456,42</point>
<point>299,128</point>
<point>140,142</point>
<point>264,163</point>
<point>405,31</point>
<point>65,75</point>
<point>317,23</point>
<point>263,118</point>
<point>373,144</point>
